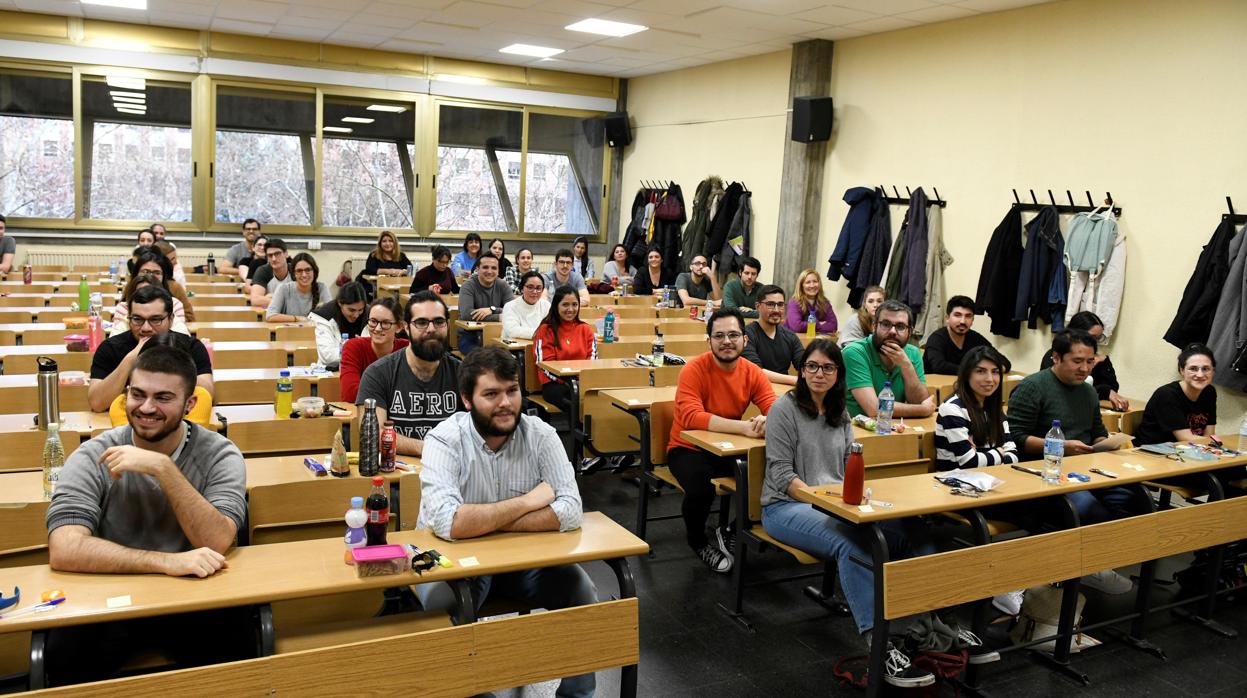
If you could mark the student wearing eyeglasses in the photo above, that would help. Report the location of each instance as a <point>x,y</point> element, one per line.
<point>522,315</point>
<point>416,388</point>
<point>887,356</point>
<point>771,345</point>
<point>378,339</point>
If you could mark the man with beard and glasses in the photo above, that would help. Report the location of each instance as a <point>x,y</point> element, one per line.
<point>492,469</point>
<point>887,356</point>
<point>159,495</point>
<point>415,388</point>
<point>714,391</point>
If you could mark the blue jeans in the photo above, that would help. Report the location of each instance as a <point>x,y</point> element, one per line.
<point>549,588</point>
<point>829,538</point>
<point>469,341</point>
<point>1106,504</point>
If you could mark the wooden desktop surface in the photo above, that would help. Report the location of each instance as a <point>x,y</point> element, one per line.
<point>720,444</point>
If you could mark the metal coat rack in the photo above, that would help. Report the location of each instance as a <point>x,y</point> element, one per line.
<point>1237,218</point>
<point>657,184</point>
<point>898,200</point>
<point>1071,207</point>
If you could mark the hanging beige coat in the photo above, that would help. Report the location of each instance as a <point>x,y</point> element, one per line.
<point>1101,294</point>
<point>931,317</point>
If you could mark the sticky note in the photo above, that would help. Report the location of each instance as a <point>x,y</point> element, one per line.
<point>725,444</point>
<point>118,601</point>
<point>865,508</point>
<point>920,428</point>
<point>632,401</point>
<point>469,562</point>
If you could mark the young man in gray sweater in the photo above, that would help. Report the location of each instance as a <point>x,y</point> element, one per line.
<point>481,299</point>
<point>159,495</point>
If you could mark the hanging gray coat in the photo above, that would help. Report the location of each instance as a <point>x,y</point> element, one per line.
<point>907,269</point>
<point>874,254</point>
<point>707,196</point>
<point>1229,322</point>
<point>738,230</point>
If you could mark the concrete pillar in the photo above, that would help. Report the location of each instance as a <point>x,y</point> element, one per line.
<point>616,222</point>
<point>800,203</point>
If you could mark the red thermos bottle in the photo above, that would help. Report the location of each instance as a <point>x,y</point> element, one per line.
<point>854,475</point>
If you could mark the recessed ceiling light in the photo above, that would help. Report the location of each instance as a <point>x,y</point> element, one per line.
<point>530,50</point>
<point>130,109</point>
<point>357,120</point>
<point>393,109</point>
<point>121,94</point>
<point>126,4</point>
<point>336,129</point>
<point>129,100</point>
<point>122,82</point>
<point>605,27</point>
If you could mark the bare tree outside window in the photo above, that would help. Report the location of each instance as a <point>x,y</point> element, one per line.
<point>368,176</point>
<point>265,156</point>
<point>36,145</point>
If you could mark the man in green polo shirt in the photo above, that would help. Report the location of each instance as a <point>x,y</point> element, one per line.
<point>743,292</point>
<point>885,356</point>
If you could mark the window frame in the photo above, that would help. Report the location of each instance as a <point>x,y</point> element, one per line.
<point>18,66</point>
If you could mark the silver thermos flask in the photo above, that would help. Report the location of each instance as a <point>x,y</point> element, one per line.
<point>49,392</point>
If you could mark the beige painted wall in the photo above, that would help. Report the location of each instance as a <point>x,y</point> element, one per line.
<point>726,119</point>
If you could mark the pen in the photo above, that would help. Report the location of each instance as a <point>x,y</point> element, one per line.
<point>33,609</point>
<point>1105,473</point>
<point>1025,469</point>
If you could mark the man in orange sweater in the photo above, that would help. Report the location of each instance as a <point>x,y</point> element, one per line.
<point>715,390</point>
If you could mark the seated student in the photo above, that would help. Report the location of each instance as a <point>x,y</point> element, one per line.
<point>121,311</point>
<point>151,313</point>
<point>653,276</point>
<point>562,336</point>
<point>807,443</point>
<point>582,263</point>
<point>379,340</point>
<point>514,272</point>
<point>1103,375</point>
<point>887,356</point>
<point>481,299</point>
<point>768,343</point>
<point>498,249</point>
<point>437,277</point>
<point>386,260</point>
<point>563,275</point>
<point>809,298</point>
<point>337,321</point>
<point>235,254</point>
<point>171,253</point>
<point>149,260</point>
<point>524,313</point>
<point>861,322</point>
<point>200,414</point>
<point>618,266</point>
<point>971,430</point>
<point>160,496</point>
<point>714,391</point>
<point>294,302</point>
<point>415,388</point>
<point>465,261</point>
<point>461,496</point>
<point>159,231</point>
<point>271,275</point>
<point>696,286</point>
<point>145,238</point>
<point>743,292</point>
<point>949,344</point>
<point>8,249</point>
<point>253,261</point>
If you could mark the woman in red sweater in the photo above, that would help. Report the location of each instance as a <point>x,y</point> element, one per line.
<point>562,336</point>
<point>359,353</point>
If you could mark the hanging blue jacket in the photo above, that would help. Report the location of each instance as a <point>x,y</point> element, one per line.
<point>862,203</point>
<point>1042,284</point>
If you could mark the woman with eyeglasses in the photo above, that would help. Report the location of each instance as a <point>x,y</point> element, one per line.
<point>1103,375</point>
<point>360,353</point>
<point>293,302</point>
<point>808,435</point>
<point>121,311</point>
<point>562,336</point>
<point>337,321</point>
<point>808,297</point>
<point>149,260</point>
<point>523,314</point>
<point>971,430</point>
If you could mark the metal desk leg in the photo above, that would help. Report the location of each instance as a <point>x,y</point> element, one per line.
<point>573,419</point>
<point>267,640</point>
<point>1143,597</point>
<point>1059,659</point>
<point>879,631</point>
<point>463,596</point>
<point>38,676</point>
<point>627,590</point>
<point>1216,555</point>
<point>978,623</point>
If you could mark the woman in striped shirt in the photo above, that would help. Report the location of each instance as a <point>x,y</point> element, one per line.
<point>971,430</point>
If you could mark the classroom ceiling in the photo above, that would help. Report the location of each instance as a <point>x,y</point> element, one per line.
<point>682,33</point>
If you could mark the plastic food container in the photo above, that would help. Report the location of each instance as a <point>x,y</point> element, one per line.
<point>310,407</point>
<point>379,560</point>
<point>77,342</point>
<point>76,322</point>
<point>73,378</point>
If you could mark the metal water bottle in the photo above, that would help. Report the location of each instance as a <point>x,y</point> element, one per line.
<point>369,440</point>
<point>211,265</point>
<point>48,382</point>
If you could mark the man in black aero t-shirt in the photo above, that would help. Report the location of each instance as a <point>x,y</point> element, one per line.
<point>417,387</point>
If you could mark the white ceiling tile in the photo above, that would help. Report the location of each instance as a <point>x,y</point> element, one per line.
<point>730,21</point>
<point>775,7</point>
<point>350,39</point>
<point>887,7</point>
<point>473,14</point>
<point>405,8</point>
<point>836,16</point>
<point>600,53</point>
<point>515,3</point>
<point>679,8</point>
<point>581,9</point>
<point>179,19</point>
<point>240,27</point>
<point>884,24</point>
<point>836,33</point>
<point>182,8</point>
<point>441,33</point>
<point>996,5</point>
<point>316,12</point>
<point>56,7</point>
<point>251,10</point>
<point>943,13</point>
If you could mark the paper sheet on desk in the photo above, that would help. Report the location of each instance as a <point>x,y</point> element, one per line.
<point>1113,442</point>
<point>983,481</point>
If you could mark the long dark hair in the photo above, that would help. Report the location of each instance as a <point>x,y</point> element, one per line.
<point>305,257</point>
<point>140,278</point>
<point>583,262</point>
<point>611,258</point>
<point>833,401</point>
<point>351,292</point>
<point>552,318</point>
<point>986,422</point>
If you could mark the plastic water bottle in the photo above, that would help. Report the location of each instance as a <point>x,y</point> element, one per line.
<point>356,536</point>
<point>1053,452</point>
<point>887,403</point>
<point>1242,434</point>
<point>811,324</point>
<point>53,460</point>
<point>283,400</point>
<point>658,349</point>
<point>608,327</point>
<point>112,271</point>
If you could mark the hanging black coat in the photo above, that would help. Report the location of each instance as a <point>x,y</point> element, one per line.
<point>875,250</point>
<point>717,235</point>
<point>1042,262</point>
<point>1193,322</point>
<point>998,280</point>
<point>862,202</point>
<point>634,237</point>
<point>693,241</point>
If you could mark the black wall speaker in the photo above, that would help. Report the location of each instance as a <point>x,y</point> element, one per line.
<point>618,132</point>
<point>811,119</point>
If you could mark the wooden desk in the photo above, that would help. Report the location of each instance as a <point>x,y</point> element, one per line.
<point>1115,421</point>
<point>241,386</point>
<point>256,429</point>
<point>572,368</point>
<point>93,423</point>
<point>721,444</point>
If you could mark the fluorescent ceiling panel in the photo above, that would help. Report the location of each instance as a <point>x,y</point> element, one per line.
<point>357,120</point>
<point>530,50</point>
<point>125,4</point>
<point>605,27</point>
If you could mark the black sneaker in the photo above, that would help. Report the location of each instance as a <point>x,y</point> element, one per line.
<point>715,559</point>
<point>976,652</point>
<point>726,538</point>
<point>900,672</point>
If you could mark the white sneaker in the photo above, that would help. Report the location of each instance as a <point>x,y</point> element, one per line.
<point>715,559</point>
<point>975,651</point>
<point>899,671</point>
<point>1108,582</point>
<point>1008,603</point>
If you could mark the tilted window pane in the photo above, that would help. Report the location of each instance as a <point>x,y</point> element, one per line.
<point>564,189</point>
<point>153,121</point>
<point>265,156</point>
<point>478,169</point>
<point>367,174</point>
<point>36,145</point>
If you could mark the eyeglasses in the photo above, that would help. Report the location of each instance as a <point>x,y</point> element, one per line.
<point>812,367</point>
<point>251,230</point>
<point>730,336</point>
<point>303,271</point>
<point>530,287</point>
<point>373,324</point>
<point>900,327</point>
<point>137,321</point>
<point>423,323</point>
<point>697,263</point>
<point>772,305</point>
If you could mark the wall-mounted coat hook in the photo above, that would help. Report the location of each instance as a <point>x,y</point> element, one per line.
<point>908,192</point>
<point>1016,200</point>
<point>937,194</point>
<point>1090,202</point>
<point>1051,198</point>
<point>1033,199</point>
<point>1070,197</point>
<point>895,191</point>
<point>1108,198</point>
<point>1229,204</point>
